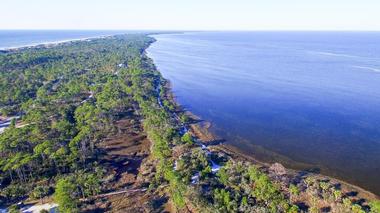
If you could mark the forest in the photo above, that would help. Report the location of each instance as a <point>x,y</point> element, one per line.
<point>64,100</point>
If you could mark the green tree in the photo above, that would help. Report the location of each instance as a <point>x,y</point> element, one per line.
<point>187,138</point>
<point>264,189</point>
<point>13,123</point>
<point>357,209</point>
<point>65,196</point>
<point>223,175</point>
<point>375,206</point>
<point>294,191</point>
<point>293,209</point>
<point>337,194</point>
<point>223,201</point>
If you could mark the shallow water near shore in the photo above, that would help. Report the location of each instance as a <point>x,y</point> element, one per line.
<point>312,97</point>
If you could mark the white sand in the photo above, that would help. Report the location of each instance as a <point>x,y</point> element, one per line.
<point>51,207</point>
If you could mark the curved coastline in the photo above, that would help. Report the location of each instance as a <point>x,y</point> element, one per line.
<point>57,42</point>
<point>201,130</point>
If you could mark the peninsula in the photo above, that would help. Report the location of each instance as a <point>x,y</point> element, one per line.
<point>92,126</point>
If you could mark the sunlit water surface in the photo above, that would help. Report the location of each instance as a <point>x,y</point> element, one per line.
<point>306,97</point>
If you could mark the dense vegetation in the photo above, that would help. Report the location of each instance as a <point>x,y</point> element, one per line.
<point>69,96</point>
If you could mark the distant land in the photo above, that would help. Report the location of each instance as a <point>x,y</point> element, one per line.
<point>92,125</point>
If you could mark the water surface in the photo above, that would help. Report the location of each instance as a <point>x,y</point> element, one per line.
<point>21,38</point>
<point>309,97</point>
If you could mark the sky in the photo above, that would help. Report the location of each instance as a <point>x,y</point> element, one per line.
<point>191,14</point>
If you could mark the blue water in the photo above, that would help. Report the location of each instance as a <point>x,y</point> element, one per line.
<point>20,38</point>
<point>305,97</point>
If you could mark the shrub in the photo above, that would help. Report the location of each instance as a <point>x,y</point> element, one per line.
<point>184,118</point>
<point>293,209</point>
<point>337,195</point>
<point>293,189</point>
<point>39,192</point>
<point>375,206</point>
<point>187,138</point>
<point>14,191</point>
<point>14,209</point>
<point>357,209</point>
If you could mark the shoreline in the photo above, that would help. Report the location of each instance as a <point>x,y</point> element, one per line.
<point>130,145</point>
<point>200,130</point>
<point>236,154</point>
<point>47,44</point>
<point>53,43</point>
<point>212,143</point>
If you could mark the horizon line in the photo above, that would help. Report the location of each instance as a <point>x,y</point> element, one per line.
<point>193,30</point>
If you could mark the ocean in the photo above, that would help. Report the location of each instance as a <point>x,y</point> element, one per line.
<point>21,38</point>
<point>310,100</point>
